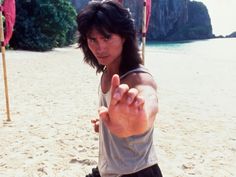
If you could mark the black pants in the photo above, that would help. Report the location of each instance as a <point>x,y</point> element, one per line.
<point>153,171</point>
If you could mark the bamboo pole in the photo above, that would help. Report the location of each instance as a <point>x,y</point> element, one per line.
<point>144,29</point>
<point>4,67</point>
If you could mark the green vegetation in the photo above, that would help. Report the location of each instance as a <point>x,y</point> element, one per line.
<point>43,24</point>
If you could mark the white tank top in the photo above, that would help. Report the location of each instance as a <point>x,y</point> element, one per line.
<point>119,156</point>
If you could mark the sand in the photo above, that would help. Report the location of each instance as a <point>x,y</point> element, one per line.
<point>53,96</point>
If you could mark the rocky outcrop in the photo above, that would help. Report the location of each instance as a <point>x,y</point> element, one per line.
<point>232,35</point>
<point>199,22</point>
<point>171,20</point>
<point>167,16</point>
<point>179,20</point>
<point>79,4</point>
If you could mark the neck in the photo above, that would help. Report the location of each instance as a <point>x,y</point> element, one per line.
<point>112,69</point>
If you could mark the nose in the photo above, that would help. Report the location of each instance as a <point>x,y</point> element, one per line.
<point>100,47</point>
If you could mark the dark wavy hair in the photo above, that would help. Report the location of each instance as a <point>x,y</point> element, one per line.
<point>109,17</point>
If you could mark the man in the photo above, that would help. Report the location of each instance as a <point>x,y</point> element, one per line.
<point>128,99</point>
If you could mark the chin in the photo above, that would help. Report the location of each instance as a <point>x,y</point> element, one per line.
<point>102,62</point>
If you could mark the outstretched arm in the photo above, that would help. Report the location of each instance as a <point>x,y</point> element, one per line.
<point>132,110</point>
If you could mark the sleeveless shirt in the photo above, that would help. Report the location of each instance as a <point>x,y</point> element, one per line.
<point>119,156</point>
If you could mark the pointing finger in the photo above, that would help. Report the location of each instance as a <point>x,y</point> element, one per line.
<point>115,82</point>
<point>117,90</point>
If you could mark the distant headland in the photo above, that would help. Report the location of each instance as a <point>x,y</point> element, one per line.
<point>232,35</point>
<point>171,20</point>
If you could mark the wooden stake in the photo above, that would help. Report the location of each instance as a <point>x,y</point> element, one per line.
<point>144,30</point>
<point>4,67</point>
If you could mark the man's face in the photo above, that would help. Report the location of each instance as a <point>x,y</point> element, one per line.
<point>107,49</point>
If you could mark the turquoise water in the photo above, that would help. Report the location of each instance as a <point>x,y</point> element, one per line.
<point>220,49</point>
<point>214,54</point>
<point>202,74</point>
<point>215,48</point>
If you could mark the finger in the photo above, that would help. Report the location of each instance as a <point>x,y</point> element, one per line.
<point>115,82</point>
<point>132,93</point>
<point>139,102</point>
<point>96,127</point>
<point>97,123</point>
<point>119,93</point>
<point>117,90</point>
<point>102,110</point>
<point>103,114</point>
<point>94,121</point>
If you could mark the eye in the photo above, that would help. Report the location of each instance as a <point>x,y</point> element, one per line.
<point>91,40</point>
<point>107,37</point>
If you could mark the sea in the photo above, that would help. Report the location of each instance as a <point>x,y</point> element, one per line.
<point>218,49</point>
<point>200,71</point>
<point>196,85</point>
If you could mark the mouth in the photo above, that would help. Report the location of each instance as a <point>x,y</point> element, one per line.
<point>102,57</point>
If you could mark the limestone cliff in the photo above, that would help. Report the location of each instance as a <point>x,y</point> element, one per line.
<point>170,19</point>
<point>166,17</point>
<point>198,25</point>
<point>179,20</point>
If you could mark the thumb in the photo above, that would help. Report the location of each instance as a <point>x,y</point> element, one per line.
<point>104,116</point>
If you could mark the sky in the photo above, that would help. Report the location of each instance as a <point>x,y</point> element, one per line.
<point>223,15</point>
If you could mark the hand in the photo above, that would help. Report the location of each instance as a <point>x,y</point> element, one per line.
<point>95,123</point>
<point>125,115</point>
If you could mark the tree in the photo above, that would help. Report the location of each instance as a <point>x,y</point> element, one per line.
<point>43,24</point>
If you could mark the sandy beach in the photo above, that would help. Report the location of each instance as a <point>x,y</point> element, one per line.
<point>53,96</point>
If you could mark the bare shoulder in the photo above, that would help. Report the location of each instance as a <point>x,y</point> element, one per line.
<point>140,79</point>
